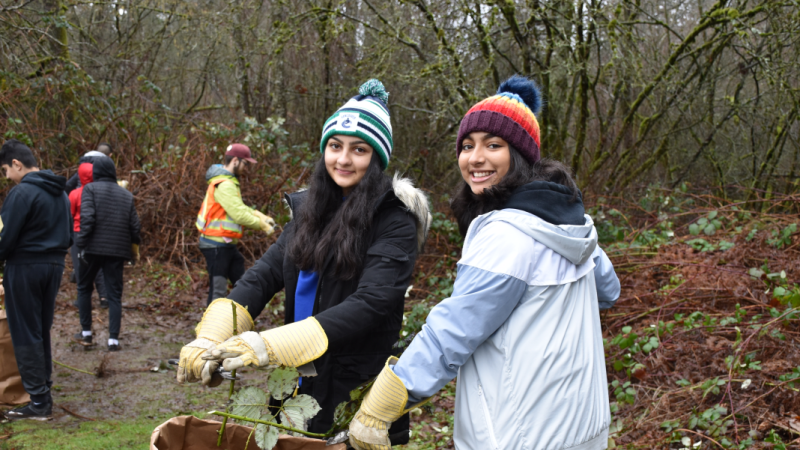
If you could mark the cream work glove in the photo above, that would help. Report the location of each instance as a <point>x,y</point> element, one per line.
<point>385,402</point>
<point>265,222</point>
<point>290,345</point>
<point>215,327</point>
<point>135,252</point>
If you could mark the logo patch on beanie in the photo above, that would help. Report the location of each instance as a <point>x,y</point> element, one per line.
<point>348,121</point>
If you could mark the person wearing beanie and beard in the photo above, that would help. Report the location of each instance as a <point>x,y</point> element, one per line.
<point>344,262</point>
<point>34,238</point>
<point>522,327</point>
<point>221,218</point>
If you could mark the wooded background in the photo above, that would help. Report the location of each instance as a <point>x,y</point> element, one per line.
<point>637,92</point>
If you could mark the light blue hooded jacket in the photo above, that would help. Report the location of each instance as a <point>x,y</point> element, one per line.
<point>522,333</point>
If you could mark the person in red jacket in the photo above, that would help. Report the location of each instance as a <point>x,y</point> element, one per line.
<point>85,175</point>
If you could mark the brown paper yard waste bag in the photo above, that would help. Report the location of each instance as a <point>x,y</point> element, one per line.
<point>11,390</point>
<point>191,433</point>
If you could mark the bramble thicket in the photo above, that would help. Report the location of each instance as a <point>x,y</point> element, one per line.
<point>678,118</point>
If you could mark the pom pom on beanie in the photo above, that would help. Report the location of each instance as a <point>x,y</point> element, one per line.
<point>509,114</point>
<point>374,88</point>
<point>525,89</point>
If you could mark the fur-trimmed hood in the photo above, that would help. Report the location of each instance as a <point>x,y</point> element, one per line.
<point>417,203</point>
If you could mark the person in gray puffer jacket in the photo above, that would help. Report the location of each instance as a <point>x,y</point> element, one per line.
<point>109,235</point>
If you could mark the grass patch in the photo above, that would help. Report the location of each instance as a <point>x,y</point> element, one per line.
<point>76,434</point>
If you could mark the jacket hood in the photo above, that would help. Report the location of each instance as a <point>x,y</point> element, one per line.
<point>90,156</point>
<point>415,201</point>
<point>215,171</point>
<point>85,173</point>
<point>104,170</point>
<point>550,202</point>
<point>574,242</point>
<point>51,183</point>
<point>94,154</point>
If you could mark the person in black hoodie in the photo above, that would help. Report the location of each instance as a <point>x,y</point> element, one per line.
<point>109,236</point>
<point>34,238</point>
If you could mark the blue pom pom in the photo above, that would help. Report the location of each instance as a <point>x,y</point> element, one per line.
<point>526,89</point>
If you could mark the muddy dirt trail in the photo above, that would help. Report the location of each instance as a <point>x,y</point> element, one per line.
<point>136,382</point>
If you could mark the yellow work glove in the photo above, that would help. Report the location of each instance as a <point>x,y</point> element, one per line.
<point>215,327</point>
<point>290,345</point>
<point>123,184</point>
<point>265,222</point>
<point>384,403</point>
<point>135,252</point>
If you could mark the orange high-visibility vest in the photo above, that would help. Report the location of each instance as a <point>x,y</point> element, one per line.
<point>212,220</point>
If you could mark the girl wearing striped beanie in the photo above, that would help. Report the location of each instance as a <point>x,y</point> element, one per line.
<point>344,263</point>
<point>521,329</point>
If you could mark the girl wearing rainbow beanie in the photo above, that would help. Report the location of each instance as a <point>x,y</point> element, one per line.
<point>522,327</point>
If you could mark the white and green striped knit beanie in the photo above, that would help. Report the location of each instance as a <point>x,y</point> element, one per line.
<point>366,116</point>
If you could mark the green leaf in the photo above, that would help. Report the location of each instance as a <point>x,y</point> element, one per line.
<point>297,411</point>
<point>282,382</point>
<point>712,215</point>
<point>702,222</point>
<point>710,229</point>
<point>725,245</point>
<point>266,436</point>
<point>249,402</point>
<point>626,330</point>
<point>694,229</point>
<point>683,382</point>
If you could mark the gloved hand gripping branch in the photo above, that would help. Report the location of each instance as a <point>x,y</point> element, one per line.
<point>385,402</point>
<point>290,345</point>
<point>216,326</point>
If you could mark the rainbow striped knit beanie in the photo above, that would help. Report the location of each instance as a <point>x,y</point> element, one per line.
<point>510,114</point>
<point>366,116</point>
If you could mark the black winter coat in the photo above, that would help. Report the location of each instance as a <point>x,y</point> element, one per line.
<point>109,223</point>
<point>36,220</point>
<point>362,318</point>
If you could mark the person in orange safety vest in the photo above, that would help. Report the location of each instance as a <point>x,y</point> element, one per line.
<point>221,218</point>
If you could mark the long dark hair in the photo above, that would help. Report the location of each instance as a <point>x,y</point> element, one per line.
<point>466,205</point>
<point>327,224</point>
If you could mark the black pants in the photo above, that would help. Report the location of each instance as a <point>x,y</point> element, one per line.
<point>30,304</point>
<point>112,275</point>
<point>76,266</point>
<point>223,263</point>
